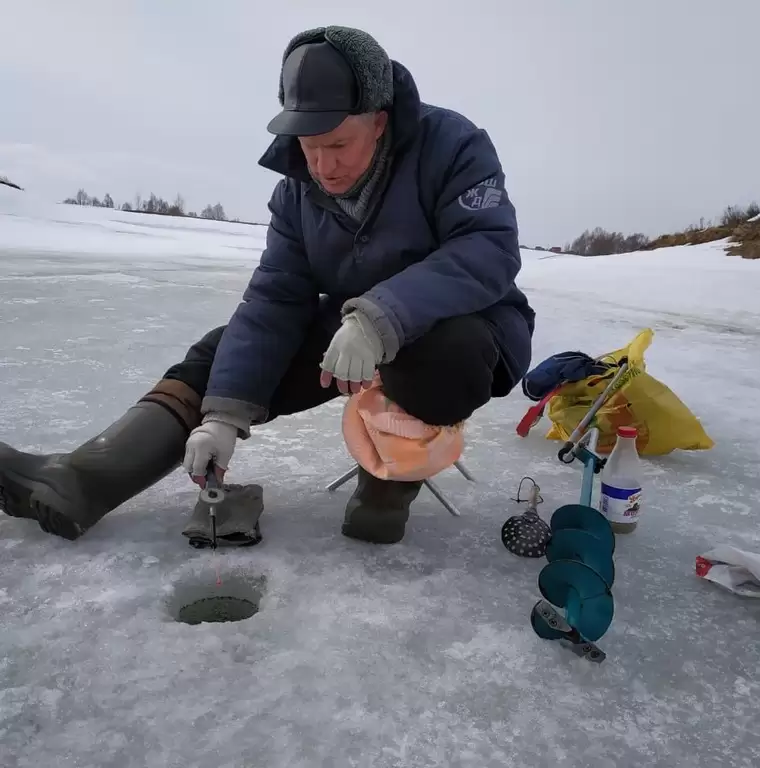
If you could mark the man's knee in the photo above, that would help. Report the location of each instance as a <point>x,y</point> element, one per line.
<point>195,369</point>
<point>204,349</point>
<point>443,377</point>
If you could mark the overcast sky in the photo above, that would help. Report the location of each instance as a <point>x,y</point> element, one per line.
<point>638,116</point>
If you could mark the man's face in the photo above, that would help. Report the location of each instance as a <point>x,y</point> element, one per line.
<point>337,160</point>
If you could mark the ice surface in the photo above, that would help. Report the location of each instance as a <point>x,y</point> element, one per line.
<point>419,654</point>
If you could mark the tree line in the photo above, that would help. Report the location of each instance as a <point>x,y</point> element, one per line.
<point>600,242</point>
<point>153,204</point>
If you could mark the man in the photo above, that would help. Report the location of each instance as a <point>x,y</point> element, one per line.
<point>392,246</point>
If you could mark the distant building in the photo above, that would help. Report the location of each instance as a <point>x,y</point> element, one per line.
<point>555,249</point>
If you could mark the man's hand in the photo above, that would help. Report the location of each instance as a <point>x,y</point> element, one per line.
<point>212,441</point>
<point>354,353</point>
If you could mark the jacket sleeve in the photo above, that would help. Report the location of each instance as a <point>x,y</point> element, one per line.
<point>269,324</point>
<point>477,259</point>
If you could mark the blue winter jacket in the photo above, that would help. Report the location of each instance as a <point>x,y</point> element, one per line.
<point>440,241</point>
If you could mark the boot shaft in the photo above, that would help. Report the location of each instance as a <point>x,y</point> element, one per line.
<point>183,402</point>
<point>67,493</point>
<point>379,509</point>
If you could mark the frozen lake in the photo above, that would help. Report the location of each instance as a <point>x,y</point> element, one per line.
<point>418,654</point>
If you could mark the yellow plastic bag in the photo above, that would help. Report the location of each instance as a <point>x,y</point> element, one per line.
<point>639,400</point>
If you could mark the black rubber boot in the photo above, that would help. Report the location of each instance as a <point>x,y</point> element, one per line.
<point>68,493</point>
<point>379,509</point>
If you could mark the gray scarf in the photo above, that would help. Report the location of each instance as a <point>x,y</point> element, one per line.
<point>355,202</point>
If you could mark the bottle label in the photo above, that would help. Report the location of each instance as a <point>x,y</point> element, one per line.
<point>620,505</point>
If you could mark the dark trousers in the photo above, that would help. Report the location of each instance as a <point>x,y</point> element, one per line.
<point>440,378</point>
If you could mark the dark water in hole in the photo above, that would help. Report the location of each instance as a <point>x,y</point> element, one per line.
<point>217,609</point>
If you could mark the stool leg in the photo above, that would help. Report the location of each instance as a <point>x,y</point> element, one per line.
<point>466,472</point>
<point>438,493</point>
<point>432,487</point>
<point>344,478</point>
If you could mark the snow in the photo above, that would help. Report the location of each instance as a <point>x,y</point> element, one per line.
<point>418,654</point>
<point>30,224</point>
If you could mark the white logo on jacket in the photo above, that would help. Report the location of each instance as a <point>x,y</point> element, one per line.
<point>483,195</point>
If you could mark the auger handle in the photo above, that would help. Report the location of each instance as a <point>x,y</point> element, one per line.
<point>568,449</point>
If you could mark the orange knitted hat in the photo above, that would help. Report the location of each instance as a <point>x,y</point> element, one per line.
<point>392,445</point>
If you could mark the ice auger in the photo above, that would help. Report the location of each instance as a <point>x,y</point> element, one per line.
<point>579,545</point>
<point>578,578</point>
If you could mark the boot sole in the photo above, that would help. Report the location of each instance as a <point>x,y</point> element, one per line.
<point>42,504</point>
<point>374,532</point>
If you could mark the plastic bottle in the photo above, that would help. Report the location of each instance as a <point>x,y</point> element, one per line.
<point>620,499</point>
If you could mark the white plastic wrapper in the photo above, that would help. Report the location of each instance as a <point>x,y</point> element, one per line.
<point>731,568</point>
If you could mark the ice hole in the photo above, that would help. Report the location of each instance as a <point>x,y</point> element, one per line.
<point>200,599</point>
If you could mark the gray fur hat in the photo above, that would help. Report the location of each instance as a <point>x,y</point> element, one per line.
<point>370,63</point>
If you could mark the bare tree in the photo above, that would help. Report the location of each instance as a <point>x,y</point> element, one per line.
<point>735,214</point>
<point>214,212</point>
<point>177,208</point>
<point>599,242</point>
